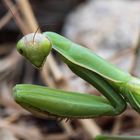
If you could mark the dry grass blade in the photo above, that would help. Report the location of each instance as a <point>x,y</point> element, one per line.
<point>136,64</point>
<point>28,15</point>
<point>5,19</point>
<point>90,127</point>
<point>13,9</point>
<point>8,64</point>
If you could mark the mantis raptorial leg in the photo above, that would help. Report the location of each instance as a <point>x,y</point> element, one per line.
<point>117,86</point>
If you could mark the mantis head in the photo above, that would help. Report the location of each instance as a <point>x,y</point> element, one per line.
<point>34,47</point>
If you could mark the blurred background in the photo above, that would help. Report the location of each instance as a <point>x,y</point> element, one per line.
<point>111,28</point>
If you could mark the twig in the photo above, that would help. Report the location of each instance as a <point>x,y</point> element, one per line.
<point>67,127</point>
<point>28,15</point>
<point>5,19</point>
<point>117,126</point>
<point>137,56</point>
<point>47,79</point>
<point>54,69</point>
<point>10,6</point>
<point>90,127</point>
<point>6,65</point>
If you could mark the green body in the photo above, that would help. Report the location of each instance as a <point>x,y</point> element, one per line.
<point>117,86</point>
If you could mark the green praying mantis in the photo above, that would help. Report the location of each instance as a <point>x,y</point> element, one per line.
<point>118,87</point>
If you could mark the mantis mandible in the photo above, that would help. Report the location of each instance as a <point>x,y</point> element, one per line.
<point>117,86</point>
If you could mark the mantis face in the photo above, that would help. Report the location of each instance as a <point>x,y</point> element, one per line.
<point>34,47</point>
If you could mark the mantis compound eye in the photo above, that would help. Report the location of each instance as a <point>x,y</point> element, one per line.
<point>20,51</point>
<point>35,48</point>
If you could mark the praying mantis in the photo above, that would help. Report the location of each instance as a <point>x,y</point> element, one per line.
<point>118,87</point>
